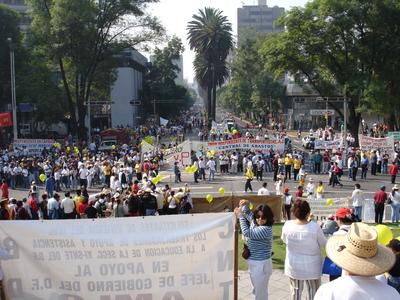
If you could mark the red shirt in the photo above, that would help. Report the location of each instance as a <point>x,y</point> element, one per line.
<point>4,190</point>
<point>81,208</point>
<point>380,197</point>
<point>135,188</point>
<point>392,169</point>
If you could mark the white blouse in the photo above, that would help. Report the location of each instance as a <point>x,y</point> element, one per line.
<point>303,250</point>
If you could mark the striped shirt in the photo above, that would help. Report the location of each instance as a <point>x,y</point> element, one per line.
<point>258,238</point>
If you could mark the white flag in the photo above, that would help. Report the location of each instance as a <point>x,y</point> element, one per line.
<point>163,122</point>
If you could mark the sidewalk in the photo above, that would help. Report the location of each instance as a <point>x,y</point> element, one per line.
<point>279,288</point>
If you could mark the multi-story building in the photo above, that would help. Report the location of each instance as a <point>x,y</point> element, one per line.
<point>125,102</point>
<point>21,7</point>
<point>258,19</point>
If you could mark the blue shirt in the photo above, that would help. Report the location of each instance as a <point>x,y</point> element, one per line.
<point>258,238</point>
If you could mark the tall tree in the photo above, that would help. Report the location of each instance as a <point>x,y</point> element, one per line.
<point>251,90</point>
<point>80,35</point>
<point>334,45</point>
<point>159,82</point>
<point>8,29</point>
<point>210,35</point>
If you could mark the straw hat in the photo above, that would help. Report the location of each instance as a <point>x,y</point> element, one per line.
<point>358,252</point>
<point>395,187</point>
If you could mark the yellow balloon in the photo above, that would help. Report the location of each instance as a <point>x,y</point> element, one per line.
<point>209,154</point>
<point>329,201</point>
<point>209,198</point>
<point>188,170</point>
<point>194,168</point>
<point>385,234</point>
<point>42,177</point>
<point>251,206</point>
<point>221,191</point>
<point>113,147</point>
<point>68,149</point>
<point>212,152</point>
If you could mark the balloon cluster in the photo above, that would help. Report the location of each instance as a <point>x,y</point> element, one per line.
<point>329,201</point>
<point>191,169</point>
<point>385,234</point>
<point>156,180</point>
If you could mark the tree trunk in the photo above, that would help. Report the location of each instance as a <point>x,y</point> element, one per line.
<point>214,96</point>
<point>81,121</point>
<point>71,106</point>
<point>354,120</point>
<point>392,124</point>
<point>209,102</point>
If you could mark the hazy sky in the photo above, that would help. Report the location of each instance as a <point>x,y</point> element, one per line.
<point>175,14</point>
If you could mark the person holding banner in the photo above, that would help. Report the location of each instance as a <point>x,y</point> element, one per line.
<point>258,236</point>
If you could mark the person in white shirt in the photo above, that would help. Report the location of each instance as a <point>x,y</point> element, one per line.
<point>83,174</point>
<point>304,240</point>
<point>68,206</point>
<point>234,163</point>
<point>263,191</point>
<point>357,198</point>
<point>310,189</point>
<point>361,259</point>
<point>211,166</point>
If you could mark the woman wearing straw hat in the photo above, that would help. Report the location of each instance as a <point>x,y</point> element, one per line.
<point>304,240</point>
<point>361,259</point>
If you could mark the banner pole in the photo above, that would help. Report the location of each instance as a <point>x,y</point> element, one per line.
<point>236,262</point>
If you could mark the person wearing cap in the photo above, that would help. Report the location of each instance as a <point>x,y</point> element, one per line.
<point>148,203</point>
<point>304,240</point>
<point>287,204</point>
<point>394,201</point>
<point>379,201</point>
<point>361,259</point>
<point>393,278</point>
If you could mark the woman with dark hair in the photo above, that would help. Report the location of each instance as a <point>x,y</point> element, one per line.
<point>304,240</point>
<point>257,229</point>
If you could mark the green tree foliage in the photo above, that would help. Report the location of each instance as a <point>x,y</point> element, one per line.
<point>335,44</point>
<point>210,35</point>
<point>81,36</point>
<point>252,89</point>
<point>8,29</point>
<point>33,80</point>
<point>159,83</point>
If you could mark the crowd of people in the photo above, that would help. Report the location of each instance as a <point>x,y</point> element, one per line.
<point>355,262</point>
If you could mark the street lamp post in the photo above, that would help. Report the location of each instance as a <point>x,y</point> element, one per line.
<point>13,95</point>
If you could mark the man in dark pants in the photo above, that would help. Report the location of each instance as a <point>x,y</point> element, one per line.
<point>379,201</point>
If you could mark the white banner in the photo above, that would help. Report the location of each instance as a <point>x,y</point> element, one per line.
<point>166,257</point>
<point>179,153</point>
<point>335,144</point>
<point>247,144</point>
<point>34,146</point>
<point>322,112</point>
<point>395,135</point>
<point>382,144</point>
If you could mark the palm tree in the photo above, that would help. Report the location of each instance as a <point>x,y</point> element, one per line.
<point>210,36</point>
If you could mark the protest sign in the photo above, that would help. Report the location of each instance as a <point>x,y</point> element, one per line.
<point>369,143</point>
<point>165,257</point>
<point>244,144</point>
<point>329,145</point>
<point>34,146</point>
<point>395,135</point>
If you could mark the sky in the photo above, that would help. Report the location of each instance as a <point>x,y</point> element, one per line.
<point>175,14</point>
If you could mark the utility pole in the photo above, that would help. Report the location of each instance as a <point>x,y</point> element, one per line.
<point>13,94</point>
<point>90,122</point>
